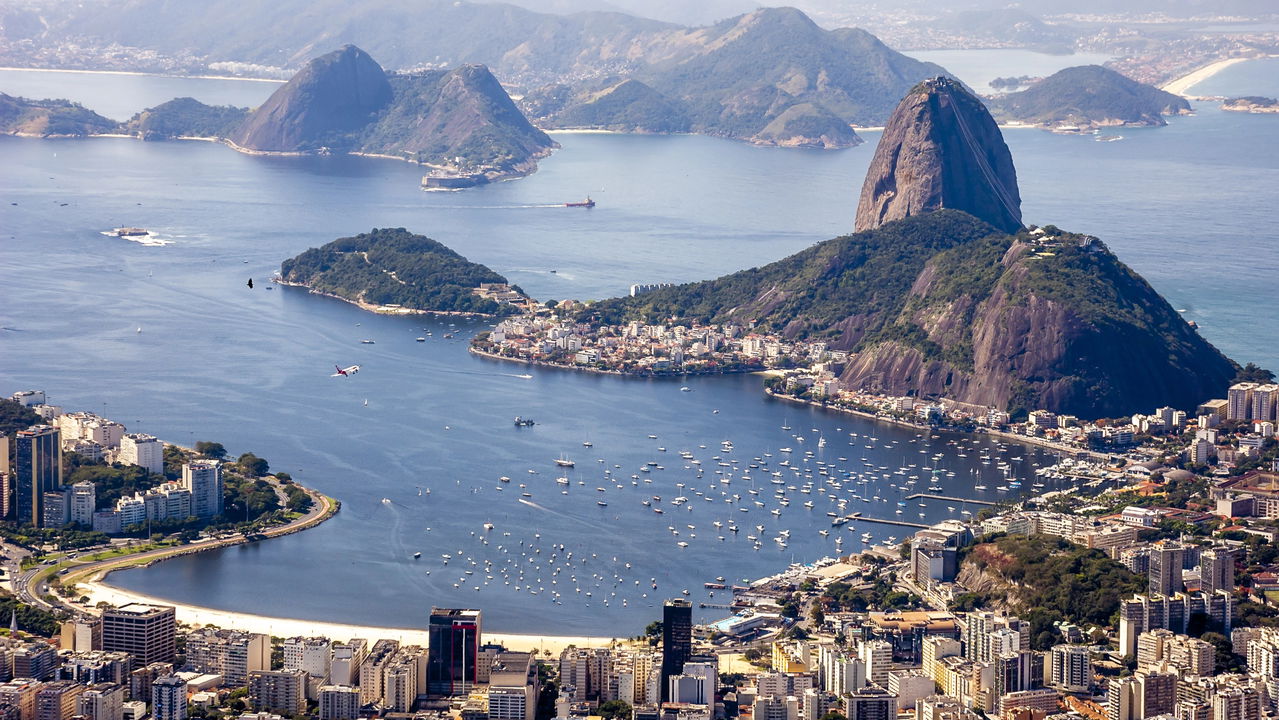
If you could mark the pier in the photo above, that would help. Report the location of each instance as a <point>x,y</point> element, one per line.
<point>952,499</point>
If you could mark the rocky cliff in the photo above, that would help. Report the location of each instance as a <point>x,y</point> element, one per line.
<point>333,97</point>
<point>940,149</point>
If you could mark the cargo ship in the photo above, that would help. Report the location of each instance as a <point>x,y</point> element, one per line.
<point>130,232</point>
<point>587,203</point>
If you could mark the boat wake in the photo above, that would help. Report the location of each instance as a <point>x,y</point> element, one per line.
<point>496,207</point>
<point>150,239</point>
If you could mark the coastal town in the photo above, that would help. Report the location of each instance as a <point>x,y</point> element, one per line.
<point>1171,611</point>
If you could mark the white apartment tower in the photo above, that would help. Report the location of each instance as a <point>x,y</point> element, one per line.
<point>145,451</point>
<point>204,479</point>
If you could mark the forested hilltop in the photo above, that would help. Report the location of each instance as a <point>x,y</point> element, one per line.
<point>1089,96</point>
<point>393,266</point>
<point>944,305</point>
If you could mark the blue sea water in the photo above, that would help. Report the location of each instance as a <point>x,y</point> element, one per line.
<point>1186,205</point>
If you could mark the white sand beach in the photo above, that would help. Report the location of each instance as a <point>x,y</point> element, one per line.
<point>1182,85</point>
<point>287,627</point>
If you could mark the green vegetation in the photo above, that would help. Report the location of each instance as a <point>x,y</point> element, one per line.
<point>849,287</point>
<point>15,416</point>
<point>185,117</point>
<point>50,117</point>
<point>1049,579</point>
<point>211,450</point>
<point>877,595</point>
<point>1253,373</point>
<point>614,710</point>
<point>629,105</point>
<point>30,619</point>
<point>394,266</point>
<point>1089,94</point>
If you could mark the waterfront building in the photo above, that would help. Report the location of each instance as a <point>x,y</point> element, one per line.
<point>453,643</point>
<point>339,702</point>
<point>102,701</point>
<point>147,632</point>
<point>281,691</point>
<point>169,698</point>
<point>512,693</point>
<point>145,451</point>
<point>203,478</point>
<point>229,653</point>
<point>677,640</point>
<point>87,426</point>
<point>372,670</point>
<point>82,502</point>
<point>37,469</point>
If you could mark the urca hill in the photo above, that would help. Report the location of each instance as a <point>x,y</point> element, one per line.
<point>392,266</point>
<point>944,294</point>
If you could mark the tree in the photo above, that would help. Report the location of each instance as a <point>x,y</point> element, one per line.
<point>252,465</point>
<point>211,450</point>
<point>833,715</point>
<point>614,710</point>
<point>1253,373</point>
<point>15,416</point>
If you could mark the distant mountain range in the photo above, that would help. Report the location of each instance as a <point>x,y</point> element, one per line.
<point>770,76</point>
<point>1089,96</point>
<point>944,294</point>
<point>460,122</point>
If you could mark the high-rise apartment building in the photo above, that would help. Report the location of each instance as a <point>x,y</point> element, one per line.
<point>1166,559</point>
<point>677,640</point>
<point>339,702</point>
<point>204,479</point>
<point>871,703</point>
<point>169,698</point>
<point>82,501</point>
<point>102,701</point>
<point>58,700</point>
<point>278,691</point>
<point>229,653</point>
<point>147,632</point>
<point>1070,668</point>
<point>372,670</point>
<point>145,451</point>
<point>453,644</point>
<point>37,469</point>
<point>1217,569</point>
<point>311,655</point>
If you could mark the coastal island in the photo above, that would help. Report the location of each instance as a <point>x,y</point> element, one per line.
<point>1088,97</point>
<point>1251,104</point>
<point>392,270</point>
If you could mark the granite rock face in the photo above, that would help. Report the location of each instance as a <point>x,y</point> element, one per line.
<point>941,149</point>
<point>334,96</point>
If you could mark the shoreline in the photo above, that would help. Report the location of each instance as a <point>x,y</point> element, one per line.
<point>98,590</point>
<point>597,371</point>
<point>1023,439</point>
<point>383,309</point>
<point>1182,85</point>
<point>146,74</point>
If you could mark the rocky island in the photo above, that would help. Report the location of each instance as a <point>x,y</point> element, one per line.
<point>941,294</point>
<point>393,270</point>
<point>1251,104</point>
<point>1088,97</point>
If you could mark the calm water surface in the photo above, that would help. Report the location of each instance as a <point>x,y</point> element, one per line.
<point>1184,205</point>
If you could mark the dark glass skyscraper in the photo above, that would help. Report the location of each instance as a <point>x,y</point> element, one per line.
<point>37,469</point>
<point>677,640</point>
<point>453,643</point>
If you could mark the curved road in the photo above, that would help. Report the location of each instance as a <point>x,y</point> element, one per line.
<point>31,589</point>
